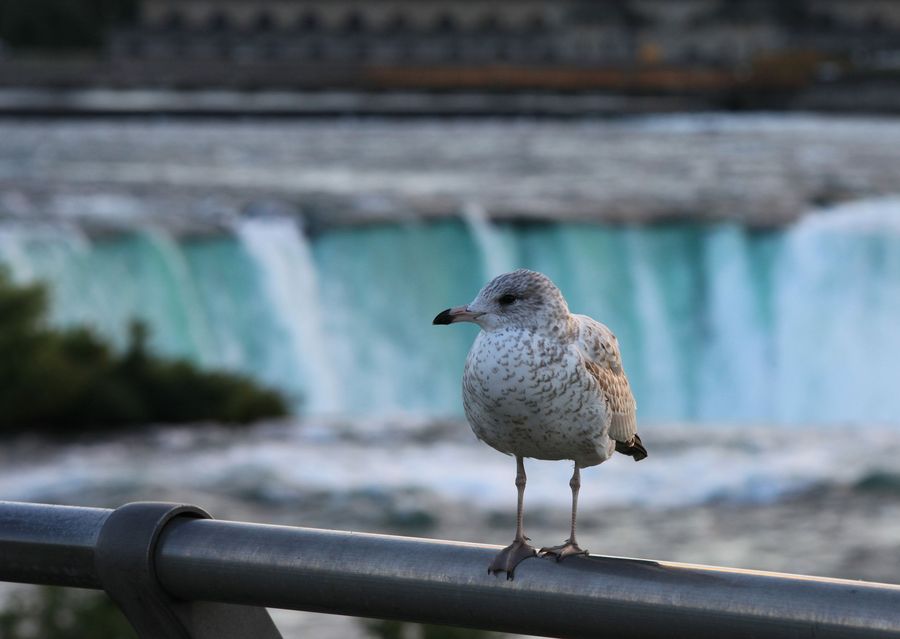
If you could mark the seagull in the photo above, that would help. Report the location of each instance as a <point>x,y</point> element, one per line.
<point>543,383</point>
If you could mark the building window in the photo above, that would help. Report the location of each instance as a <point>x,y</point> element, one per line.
<point>135,48</point>
<point>873,24</point>
<point>219,22</point>
<point>309,21</point>
<point>354,23</point>
<point>264,22</point>
<point>536,24</point>
<point>446,24</point>
<point>173,21</point>
<point>397,24</point>
<point>272,51</point>
<point>315,51</point>
<point>489,24</point>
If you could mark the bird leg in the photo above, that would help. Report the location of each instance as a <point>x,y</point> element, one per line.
<point>519,550</point>
<point>570,547</point>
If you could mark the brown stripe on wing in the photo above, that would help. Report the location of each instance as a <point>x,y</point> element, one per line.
<point>619,401</point>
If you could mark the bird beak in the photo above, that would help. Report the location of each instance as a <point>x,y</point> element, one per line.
<point>456,314</point>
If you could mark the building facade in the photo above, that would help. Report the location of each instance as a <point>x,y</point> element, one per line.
<point>716,34</point>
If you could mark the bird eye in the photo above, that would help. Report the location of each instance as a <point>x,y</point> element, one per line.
<point>507,299</point>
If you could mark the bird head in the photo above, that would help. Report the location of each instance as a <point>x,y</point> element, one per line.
<point>520,299</point>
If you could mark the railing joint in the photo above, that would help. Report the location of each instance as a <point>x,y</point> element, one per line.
<point>125,558</point>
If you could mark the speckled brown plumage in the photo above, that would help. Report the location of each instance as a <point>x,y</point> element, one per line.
<point>541,382</point>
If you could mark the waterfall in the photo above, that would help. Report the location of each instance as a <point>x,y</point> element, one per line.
<point>737,356</point>
<point>288,272</point>
<point>717,323</point>
<point>173,284</point>
<point>661,346</point>
<point>497,255</point>
<point>382,286</point>
<point>199,297</point>
<point>837,329</point>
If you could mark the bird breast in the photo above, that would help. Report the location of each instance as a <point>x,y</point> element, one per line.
<point>528,394</point>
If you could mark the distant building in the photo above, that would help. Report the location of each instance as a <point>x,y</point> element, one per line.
<point>529,32</point>
<point>392,31</point>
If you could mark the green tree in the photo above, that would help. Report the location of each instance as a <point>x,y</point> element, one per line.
<point>67,381</point>
<point>63,613</point>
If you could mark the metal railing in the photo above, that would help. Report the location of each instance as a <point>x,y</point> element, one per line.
<point>177,573</point>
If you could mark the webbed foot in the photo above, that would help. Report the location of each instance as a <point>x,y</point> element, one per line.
<point>511,556</point>
<point>563,550</point>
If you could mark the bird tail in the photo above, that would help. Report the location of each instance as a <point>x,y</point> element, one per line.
<point>634,448</point>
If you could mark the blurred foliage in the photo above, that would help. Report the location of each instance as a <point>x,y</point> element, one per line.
<point>71,613</point>
<point>387,629</point>
<point>66,381</point>
<point>63,613</point>
<point>61,24</point>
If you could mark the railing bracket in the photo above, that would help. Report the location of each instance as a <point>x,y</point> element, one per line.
<point>124,560</point>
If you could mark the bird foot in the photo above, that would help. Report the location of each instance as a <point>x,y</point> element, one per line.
<point>563,550</point>
<point>511,556</point>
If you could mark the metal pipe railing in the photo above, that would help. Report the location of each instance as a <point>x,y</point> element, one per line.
<point>51,545</point>
<point>447,582</point>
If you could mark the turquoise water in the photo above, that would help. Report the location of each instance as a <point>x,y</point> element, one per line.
<point>717,323</point>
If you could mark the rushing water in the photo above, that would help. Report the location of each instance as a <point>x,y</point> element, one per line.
<point>717,323</point>
<point>195,228</point>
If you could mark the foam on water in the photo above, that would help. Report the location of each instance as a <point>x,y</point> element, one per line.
<point>690,466</point>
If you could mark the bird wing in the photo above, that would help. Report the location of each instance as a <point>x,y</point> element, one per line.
<point>603,361</point>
